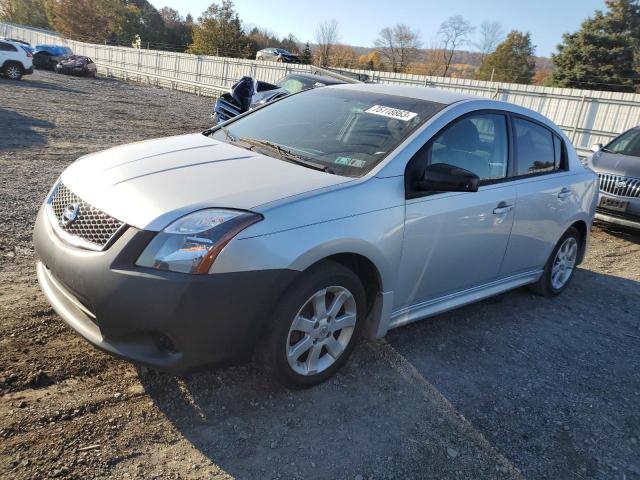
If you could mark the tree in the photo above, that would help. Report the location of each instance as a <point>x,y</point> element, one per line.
<point>24,12</point>
<point>512,61</point>
<point>454,32</point>
<point>219,32</point>
<point>177,30</point>
<point>326,38</point>
<point>342,56</point>
<point>306,56</point>
<point>370,61</point>
<point>604,53</point>
<point>87,20</point>
<point>398,46</point>
<point>491,34</point>
<point>290,43</point>
<point>143,19</point>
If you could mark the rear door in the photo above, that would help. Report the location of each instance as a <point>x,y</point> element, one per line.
<point>457,240</point>
<point>7,52</point>
<point>548,196</point>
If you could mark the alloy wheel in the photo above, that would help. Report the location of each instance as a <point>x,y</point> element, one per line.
<point>564,263</point>
<point>321,330</point>
<point>12,72</point>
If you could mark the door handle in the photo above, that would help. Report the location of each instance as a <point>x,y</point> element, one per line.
<point>564,193</point>
<point>502,208</point>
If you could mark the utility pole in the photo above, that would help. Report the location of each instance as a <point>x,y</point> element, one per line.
<point>493,71</point>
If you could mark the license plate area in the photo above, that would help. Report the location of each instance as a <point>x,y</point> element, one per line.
<point>613,204</point>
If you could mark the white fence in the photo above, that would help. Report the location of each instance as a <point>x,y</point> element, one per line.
<point>586,116</point>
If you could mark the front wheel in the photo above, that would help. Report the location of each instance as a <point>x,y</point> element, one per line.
<point>315,326</point>
<point>12,71</point>
<point>561,265</point>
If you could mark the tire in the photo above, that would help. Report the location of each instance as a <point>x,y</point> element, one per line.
<point>303,358</point>
<point>561,265</point>
<point>12,71</point>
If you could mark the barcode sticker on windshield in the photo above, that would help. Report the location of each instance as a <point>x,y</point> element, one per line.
<point>391,112</point>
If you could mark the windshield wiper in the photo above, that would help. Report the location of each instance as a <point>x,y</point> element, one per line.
<point>286,154</point>
<point>605,149</point>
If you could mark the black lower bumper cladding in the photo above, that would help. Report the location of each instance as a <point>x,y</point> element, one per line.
<point>165,320</point>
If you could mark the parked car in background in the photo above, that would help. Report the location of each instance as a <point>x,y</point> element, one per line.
<point>277,55</point>
<point>77,65</point>
<point>248,93</point>
<point>46,57</point>
<point>15,60</point>
<point>294,229</point>
<point>618,167</point>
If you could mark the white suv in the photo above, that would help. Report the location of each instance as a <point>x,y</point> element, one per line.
<point>15,60</point>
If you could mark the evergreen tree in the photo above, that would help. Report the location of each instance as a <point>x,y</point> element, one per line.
<point>219,32</point>
<point>603,54</point>
<point>306,56</point>
<point>512,61</point>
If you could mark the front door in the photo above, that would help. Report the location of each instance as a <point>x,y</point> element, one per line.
<point>454,241</point>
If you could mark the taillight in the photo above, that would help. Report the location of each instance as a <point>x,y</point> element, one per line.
<point>29,54</point>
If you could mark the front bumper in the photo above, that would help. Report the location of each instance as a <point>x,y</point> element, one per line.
<point>630,218</point>
<point>164,320</point>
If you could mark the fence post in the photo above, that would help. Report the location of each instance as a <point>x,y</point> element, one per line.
<point>577,119</point>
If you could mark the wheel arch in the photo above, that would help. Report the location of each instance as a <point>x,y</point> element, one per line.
<point>372,269</point>
<point>583,229</point>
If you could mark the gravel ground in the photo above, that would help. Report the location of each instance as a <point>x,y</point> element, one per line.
<point>513,387</point>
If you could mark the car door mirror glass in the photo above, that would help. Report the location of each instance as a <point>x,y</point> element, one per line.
<point>442,177</point>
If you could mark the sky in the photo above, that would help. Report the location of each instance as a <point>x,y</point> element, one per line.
<point>361,20</point>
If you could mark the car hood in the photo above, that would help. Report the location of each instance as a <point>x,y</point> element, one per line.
<point>151,183</point>
<point>615,163</point>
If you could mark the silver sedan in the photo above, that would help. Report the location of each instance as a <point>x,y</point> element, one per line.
<point>296,228</point>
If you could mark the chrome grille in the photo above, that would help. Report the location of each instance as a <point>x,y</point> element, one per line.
<point>619,185</point>
<point>91,227</point>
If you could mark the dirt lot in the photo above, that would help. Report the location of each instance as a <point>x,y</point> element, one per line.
<point>514,387</point>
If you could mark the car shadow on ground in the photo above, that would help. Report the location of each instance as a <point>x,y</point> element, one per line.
<point>536,376</point>
<point>22,131</point>
<point>623,233</point>
<point>376,418</point>
<point>530,373</point>
<point>37,83</point>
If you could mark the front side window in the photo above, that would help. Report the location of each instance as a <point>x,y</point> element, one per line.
<point>535,150</point>
<point>626,144</point>
<point>346,131</point>
<point>477,143</point>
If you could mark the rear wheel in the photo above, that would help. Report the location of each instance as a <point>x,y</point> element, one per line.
<point>12,71</point>
<point>561,265</point>
<point>315,326</point>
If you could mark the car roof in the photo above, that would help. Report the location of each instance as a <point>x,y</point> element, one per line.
<point>318,78</point>
<point>421,93</point>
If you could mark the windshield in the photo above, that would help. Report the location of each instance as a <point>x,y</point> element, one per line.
<point>627,144</point>
<point>348,132</point>
<point>293,84</point>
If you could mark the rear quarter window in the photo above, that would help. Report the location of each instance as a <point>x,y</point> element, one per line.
<point>536,149</point>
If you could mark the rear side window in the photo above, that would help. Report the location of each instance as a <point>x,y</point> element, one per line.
<point>536,150</point>
<point>477,143</point>
<point>7,47</point>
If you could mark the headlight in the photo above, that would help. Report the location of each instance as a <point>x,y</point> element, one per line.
<point>192,243</point>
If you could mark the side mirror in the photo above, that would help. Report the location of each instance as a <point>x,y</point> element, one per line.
<point>442,177</point>
<point>596,147</point>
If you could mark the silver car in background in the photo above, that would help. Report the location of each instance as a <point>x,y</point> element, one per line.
<point>296,228</point>
<point>618,167</point>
